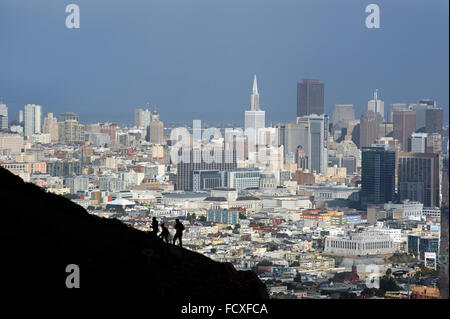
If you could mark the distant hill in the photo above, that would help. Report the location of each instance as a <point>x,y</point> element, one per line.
<point>41,233</point>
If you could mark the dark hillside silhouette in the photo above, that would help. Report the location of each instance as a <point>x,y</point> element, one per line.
<point>41,233</point>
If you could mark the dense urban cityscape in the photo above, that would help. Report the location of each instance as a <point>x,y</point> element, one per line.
<point>324,206</point>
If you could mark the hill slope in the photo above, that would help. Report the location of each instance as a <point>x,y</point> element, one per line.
<point>41,233</point>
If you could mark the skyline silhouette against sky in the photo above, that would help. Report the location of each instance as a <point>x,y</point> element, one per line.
<point>195,59</point>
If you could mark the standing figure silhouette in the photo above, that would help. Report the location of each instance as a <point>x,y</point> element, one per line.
<point>164,235</point>
<point>155,226</point>
<point>179,227</point>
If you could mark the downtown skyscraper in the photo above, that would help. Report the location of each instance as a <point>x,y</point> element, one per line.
<point>368,128</point>
<point>255,118</point>
<point>404,125</point>
<point>342,115</point>
<point>310,97</point>
<point>418,178</point>
<point>155,129</point>
<point>32,120</point>
<point>377,175</point>
<point>318,143</point>
<point>142,118</point>
<point>376,105</point>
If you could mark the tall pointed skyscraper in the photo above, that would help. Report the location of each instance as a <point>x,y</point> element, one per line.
<point>255,119</point>
<point>254,97</point>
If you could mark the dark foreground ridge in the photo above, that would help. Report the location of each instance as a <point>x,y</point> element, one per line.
<point>42,233</point>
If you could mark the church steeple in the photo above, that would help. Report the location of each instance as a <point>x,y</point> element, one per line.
<point>254,98</point>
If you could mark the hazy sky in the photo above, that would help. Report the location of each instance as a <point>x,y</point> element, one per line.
<point>196,58</point>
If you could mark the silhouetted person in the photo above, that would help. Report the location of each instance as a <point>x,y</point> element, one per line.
<point>179,227</point>
<point>155,226</point>
<point>164,235</point>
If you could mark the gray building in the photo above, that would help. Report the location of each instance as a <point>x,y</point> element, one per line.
<point>111,184</point>
<point>291,136</point>
<point>418,178</point>
<point>310,97</point>
<point>65,168</point>
<point>434,120</point>
<point>318,143</point>
<point>421,110</point>
<point>342,115</point>
<point>77,184</point>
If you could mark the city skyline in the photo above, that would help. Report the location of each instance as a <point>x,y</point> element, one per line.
<point>291,149</point>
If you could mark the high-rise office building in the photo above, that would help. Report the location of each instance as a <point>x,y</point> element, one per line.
<point>291,136</point>
<point>404,125</point>
<point>368,128</point>
<point>376,105</point>
<point>51,127</point>
<point>20,116</point>
<point>434,120</point>
<point>318,143</point>
<point>342,115</point>
<point>418,178</point>
<point>142,118</point>
<point>155,130</point>
<point>255,118</point>
<point>3,117</point>
<point>310,97</point>
<point>418,142</point>
<point>420,109</point>
<point>395,107</point>
<point>32,120</point>
<point>378,175</point>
